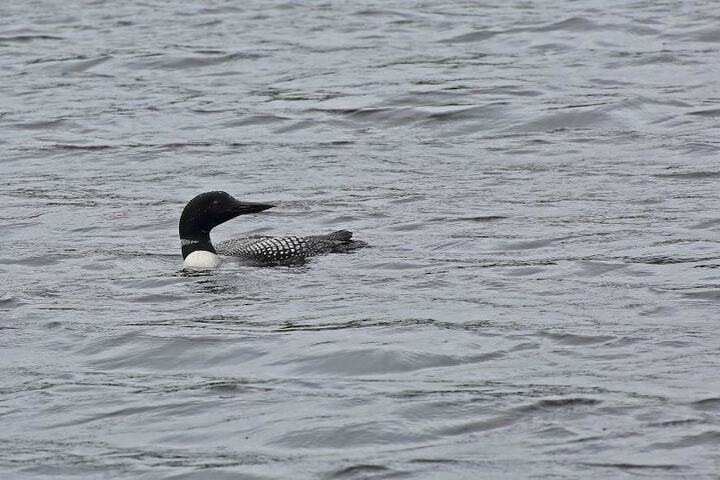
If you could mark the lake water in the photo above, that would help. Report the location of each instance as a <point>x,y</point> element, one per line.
<point>538,182</point>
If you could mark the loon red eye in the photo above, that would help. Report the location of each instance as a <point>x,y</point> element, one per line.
<point>216,203</point>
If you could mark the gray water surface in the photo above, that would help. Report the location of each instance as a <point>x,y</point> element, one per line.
<point>538,181</point>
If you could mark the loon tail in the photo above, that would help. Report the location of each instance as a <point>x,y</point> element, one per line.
<point>343,243</point>
<point>340,236</point>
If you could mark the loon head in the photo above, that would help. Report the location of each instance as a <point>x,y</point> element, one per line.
<point>205,212</point>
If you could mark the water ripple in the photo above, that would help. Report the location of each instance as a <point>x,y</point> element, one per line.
<point>537,182</point>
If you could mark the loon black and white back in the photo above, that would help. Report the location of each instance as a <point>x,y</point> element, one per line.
<point>287,249</point>
<point>208,210</point>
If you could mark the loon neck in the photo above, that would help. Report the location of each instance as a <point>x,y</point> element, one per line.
<point>195,243</point>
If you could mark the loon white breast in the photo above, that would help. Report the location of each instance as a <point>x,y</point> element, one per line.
<point>210,209</point>
<point>201,260</point>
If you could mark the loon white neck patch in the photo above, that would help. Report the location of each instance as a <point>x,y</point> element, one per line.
<point>201,260</point>
<point>185,242</point>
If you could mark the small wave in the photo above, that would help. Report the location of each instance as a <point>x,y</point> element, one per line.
<point>665,259</point>
<point>157,146</point>
<point>573,339</point>
<point>255,120</point>
<point>38,261</point>
<point>551,47</point>
<point>572,24</point>
<point>690,175</point>
<point>351,435</point>
<point>709,294</point>
<point>154,299</point>
<point>710,438</point>
<point>225,9</point>
<point>8,302</point>
<point>712,112</point>
<point>551,403</point>
<point>709,224</point>
<point>636,466</point>
<point>296,126</point>
<point>27,38</point>
<point>707,404</point>
<point>569,121</point>
<point>472,37</point>
<point>646,58</point>
<point>69,146</point>
<point>362,471</point>
<point>478,219</point>
<point>43,124</point>
<point>462,119</point>
<point>531,244</point>
<point>168,62</point>
<point>710,35</point>
<point>147,352</point>
<point>375,12</point>
<point>81,65</point>
<point>596,268</point>
<point>378,361</point>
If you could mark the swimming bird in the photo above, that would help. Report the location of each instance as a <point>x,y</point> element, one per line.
<point>210,209</point>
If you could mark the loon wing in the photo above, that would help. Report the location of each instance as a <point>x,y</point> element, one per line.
<point>287,249</point>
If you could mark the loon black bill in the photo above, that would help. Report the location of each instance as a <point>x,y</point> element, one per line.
<point>241,208</point>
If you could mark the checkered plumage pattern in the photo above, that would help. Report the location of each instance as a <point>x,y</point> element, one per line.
<point>285,249</point>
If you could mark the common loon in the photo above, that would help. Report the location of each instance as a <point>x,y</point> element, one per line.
<point>210,209</point>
